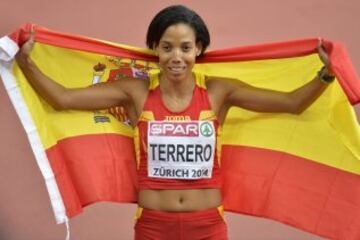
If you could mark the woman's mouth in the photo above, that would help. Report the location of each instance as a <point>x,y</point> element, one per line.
<point>176,69</point>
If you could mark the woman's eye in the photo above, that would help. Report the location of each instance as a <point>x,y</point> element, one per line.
<point>186,48</point>
<point>166,48</point>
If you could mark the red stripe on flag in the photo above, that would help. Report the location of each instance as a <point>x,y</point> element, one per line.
<point>93,168</point>
<point>296,191</point>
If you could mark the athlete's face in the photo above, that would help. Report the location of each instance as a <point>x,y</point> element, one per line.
<point>177,51</point>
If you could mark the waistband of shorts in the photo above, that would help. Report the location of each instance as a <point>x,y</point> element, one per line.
<point>206,213</point>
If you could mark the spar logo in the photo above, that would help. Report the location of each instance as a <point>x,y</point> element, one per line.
<point>206,129</point>
<point>179,129</point>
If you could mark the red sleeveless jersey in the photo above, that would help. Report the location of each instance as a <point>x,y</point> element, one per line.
<point>178,150</point>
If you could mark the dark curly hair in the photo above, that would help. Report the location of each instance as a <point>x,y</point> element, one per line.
<point>173,15</point>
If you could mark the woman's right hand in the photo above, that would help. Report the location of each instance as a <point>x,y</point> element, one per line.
<point>23,56</point>
<point>100,96</point>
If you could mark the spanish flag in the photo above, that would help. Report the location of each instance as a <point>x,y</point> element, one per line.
<point>302,170</point>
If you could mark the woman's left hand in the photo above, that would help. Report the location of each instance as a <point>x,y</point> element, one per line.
<point>324,56</point>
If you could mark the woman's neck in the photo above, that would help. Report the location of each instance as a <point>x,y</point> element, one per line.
<point>177,88</point>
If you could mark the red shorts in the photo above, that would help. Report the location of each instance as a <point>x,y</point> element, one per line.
<point>206,224</point>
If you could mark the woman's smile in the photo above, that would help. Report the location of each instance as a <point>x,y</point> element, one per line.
<point>176,70</point>
<point>177,51</point>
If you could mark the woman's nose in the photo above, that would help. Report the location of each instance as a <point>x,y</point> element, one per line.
<point>176,54</point>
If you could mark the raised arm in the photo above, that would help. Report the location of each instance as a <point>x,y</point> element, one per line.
<point>100,96</point>
<point>229,92</point>
<point>264,100</point>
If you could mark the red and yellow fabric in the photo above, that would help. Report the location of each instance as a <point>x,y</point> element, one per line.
<point>303,170</point>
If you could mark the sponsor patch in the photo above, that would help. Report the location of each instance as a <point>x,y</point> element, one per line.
<point>181,150</point>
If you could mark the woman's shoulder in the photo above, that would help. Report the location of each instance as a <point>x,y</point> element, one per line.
<point>216,81</point>
<point>133,87</point>
<point>207,81</point>
<point>133,81</point>
<point>220,86</point>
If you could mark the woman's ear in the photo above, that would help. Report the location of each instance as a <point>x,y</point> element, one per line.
<point>156,49</point>
<point>198,49</point>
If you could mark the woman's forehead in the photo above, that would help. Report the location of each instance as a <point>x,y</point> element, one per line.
<point>178,32</point>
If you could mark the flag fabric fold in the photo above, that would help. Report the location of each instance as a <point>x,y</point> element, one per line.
<point>302,170</point>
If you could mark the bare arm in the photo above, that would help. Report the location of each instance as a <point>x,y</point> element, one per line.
<point>225,93</point>
<point>264,100</point>
<point>100,96</point>
<point>90,98</point>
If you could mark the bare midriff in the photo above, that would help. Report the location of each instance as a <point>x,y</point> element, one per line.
<point>180,200</point>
